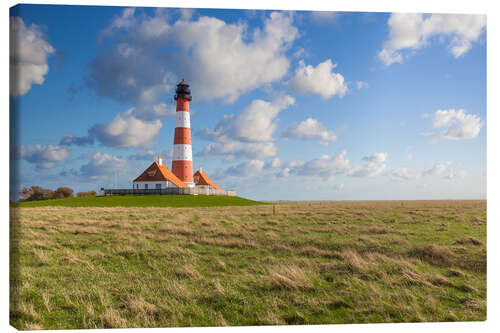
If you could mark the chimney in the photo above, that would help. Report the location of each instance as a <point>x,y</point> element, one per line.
<point>201,169</point>
<point>160,159</point>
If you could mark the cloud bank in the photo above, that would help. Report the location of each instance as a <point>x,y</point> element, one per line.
<point>329,166</point>
<point>28,56</point>
<point>127,130</point>
<point>219,60</point>
<point>248,134</point>
<point>415,31</point>
<point>44,157</point>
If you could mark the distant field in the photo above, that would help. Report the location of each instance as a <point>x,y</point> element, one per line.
<point>302,263</point>
<point>143,201</point>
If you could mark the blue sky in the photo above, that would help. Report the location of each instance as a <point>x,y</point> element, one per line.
<point>286,105</point>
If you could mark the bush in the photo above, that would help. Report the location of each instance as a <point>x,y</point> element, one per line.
<point>87,194</point>
<point>37,193</point>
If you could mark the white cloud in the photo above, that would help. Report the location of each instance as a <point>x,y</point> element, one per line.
<point>273,164</point>
<point>406,174</point>
<point>231,149</point>
<point>437,169</point>
<point>222,65</point>
<point>374,166</point>
<point>149,155</point>
<point>123,21</point>
<point>256,123</point>
<point>28,56</point>
<point>444,169</point>
<point>300,53</point>
<point>319,80</point>
<point>310,129</point>
<point>361,84</point>
<point>454,125</point>
<point>409,155</point>
<point>414,31</point>
<point>376,158</point>
<point>69,140</point>
<point>369,170</point>
<point>458,124</point>
<point>154,112</point>
<point>454,174</point>
<point>101,165</point>
<point>130,72</point>
<point>126,130</point>
<point>186,13</point>
<point>283,173</point>
<point>325,16</point>
<point>327,167</point>
<point>219,60</point>
<point>44,157</point>
<point>246,169</point>
<point>338,187</point>
<point>295,163</point>
<point>136,127</point>
<point>248,134</point>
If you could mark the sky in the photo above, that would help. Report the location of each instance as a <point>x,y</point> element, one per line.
<point>286,105</point>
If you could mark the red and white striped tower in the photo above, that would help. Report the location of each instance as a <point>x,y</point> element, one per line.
<point>182,161</point>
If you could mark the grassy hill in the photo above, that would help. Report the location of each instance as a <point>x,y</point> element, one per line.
<point>301,263</point>
<point>143,201</point>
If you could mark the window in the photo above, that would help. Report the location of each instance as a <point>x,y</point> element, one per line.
<point>158,186</point>
<point>145,186</point>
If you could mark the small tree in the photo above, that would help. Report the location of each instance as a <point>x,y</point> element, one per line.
<point>40,193</point>
<point>25,194</point>
<point>63,192</point>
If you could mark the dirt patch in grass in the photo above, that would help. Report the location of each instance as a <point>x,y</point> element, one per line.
<point>469,241</point>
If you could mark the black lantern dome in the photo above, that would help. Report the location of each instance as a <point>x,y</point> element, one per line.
<point>183,91</point>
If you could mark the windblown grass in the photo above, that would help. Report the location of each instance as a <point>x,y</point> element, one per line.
<point>300,263</point>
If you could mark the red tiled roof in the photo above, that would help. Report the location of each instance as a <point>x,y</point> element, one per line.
<point>201,178</point>
<point>159,173</point>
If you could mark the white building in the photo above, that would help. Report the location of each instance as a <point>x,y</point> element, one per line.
<point>157,176</point>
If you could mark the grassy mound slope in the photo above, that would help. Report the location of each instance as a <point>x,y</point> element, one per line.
<point>143,201</point>
<point>302,263</point>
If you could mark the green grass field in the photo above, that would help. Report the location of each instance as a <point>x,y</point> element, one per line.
<point>300,263</point>
<point>143,201</point>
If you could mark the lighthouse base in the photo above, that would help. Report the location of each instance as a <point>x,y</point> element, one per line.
<point>168,191</point>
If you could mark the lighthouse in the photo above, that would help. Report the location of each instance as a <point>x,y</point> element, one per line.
<point>182,161</point>
<point>158,179</point>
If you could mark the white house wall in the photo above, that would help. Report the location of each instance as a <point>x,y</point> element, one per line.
<point>152,185</point>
